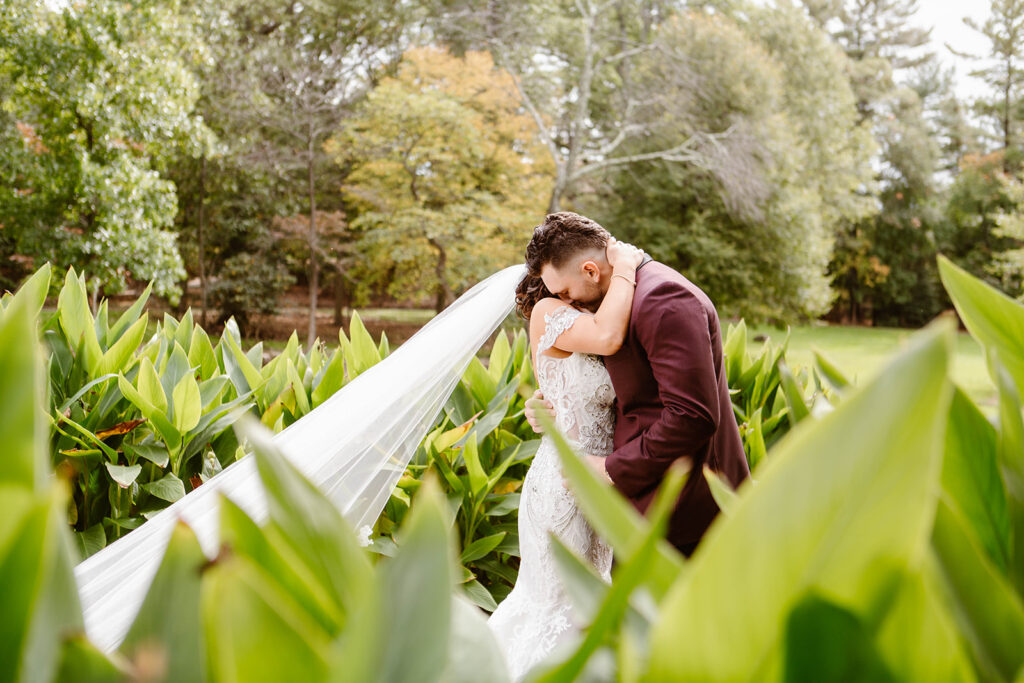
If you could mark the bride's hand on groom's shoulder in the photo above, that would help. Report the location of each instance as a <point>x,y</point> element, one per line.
<point>623,255</point>
<point>535,405</point>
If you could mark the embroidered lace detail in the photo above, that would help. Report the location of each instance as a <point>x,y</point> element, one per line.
<point>555,323</point>
<point>537,614</point>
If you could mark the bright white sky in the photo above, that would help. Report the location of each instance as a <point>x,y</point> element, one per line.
<point>945,17</point>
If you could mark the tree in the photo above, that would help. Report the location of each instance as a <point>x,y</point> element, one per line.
<point>306,66</point>
<point>575,67</point>
<point>768,75</point>
<point>447,174</point>
<point>1004,29</point>
<point>96,102</point>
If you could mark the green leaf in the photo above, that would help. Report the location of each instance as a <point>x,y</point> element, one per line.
<point>82,662</point>
<point>827,642</point>
<point>417,588</point>
<point>301,400</point>
<point>989,612</point>
<point>167,487</point>
<point>77,322</point>
<point>830,371</point>
<point>994,319</point>
<point>332,379</point>
<point>253,630</point>
<point>793,393</point>
<point>90,541</point>
<point>971,480</point>
<point>270,549</point>
<point>1010,453</point>
<point>40,603</point>
<point>501,354</point>
<point>124,475</point>
<point>480,596</point>
<point>149,387</point>
<point>735,351</point>
<point>477,476</point>
<point>473,652</point>
<point>25,461</point>
<point>201,354</point>
<point>480,547</point>
<point>721,491</point>
<point>249,371</point>
<point>32,294</point>
<point>188,404</point>
<point>309,521</point>
<point>129,317</point>
<point>155,454</point>
<point>117,357</point>
<point>363,351</point>
<point>841,502</point>
<point>918,638</point>
<point>755,440</point>
<point>169,617</point>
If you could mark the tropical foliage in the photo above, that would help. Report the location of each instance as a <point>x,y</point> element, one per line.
<point>136,422</point>
<point>881,533</point>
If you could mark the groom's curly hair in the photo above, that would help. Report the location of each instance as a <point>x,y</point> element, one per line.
<point>560,237</point>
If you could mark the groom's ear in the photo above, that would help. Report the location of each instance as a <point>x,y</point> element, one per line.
<point>591,269</point>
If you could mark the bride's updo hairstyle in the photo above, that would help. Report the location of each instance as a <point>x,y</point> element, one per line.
<point>559,238</point>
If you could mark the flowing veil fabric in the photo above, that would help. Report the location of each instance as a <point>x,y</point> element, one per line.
<point>354,447</point>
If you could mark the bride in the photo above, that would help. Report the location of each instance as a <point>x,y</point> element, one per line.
<point>567,344</point>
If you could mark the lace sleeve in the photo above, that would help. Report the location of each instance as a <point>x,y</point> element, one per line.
<point>555,323</point>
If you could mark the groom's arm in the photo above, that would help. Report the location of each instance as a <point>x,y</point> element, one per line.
<point>672,327</point>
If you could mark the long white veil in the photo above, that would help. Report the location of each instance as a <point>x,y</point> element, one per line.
<point>354,446</point>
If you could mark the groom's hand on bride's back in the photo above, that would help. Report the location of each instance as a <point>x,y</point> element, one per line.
<point>535,405</point>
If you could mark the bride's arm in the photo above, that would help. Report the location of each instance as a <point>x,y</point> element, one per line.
<point>603,332</point>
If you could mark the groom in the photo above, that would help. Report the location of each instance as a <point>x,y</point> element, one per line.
<point>672,400</point>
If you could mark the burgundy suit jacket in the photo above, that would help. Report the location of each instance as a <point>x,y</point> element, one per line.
<point>672,401</point>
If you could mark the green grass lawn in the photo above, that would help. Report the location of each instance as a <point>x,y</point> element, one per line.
<point>860,352</point>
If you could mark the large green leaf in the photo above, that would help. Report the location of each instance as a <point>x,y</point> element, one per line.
<point>416,595</point>
<point>117,357</point>
<point>1010,452</point>
<point>918,637</point>
<point>994,319</point>
<point>77,322</point>
<point>840,501</point>
<point>989,612</point>
<point>188,403</point>
<point>129,317</point>
<point>331,380</point>
<point>82,662</point>
<point>150,388</point>
<point>40,603</point>
<point>473,652</point>
<point>24,460</point>
<point>255,631</point>
<point>309,521</point>
<point>269,548</point>
<point>970,478</point>
<point>169,618</point>
<point>32,294</point>
<point>167,487</point>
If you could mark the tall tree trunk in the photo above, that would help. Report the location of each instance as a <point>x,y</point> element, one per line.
<point>201,231</point>
<point>314,273</point>
<point>444,292</point>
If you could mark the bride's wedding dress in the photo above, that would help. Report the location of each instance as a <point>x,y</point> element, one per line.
<point>537,614</point>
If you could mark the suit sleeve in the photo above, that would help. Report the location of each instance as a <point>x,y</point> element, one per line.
<point>672,328</point>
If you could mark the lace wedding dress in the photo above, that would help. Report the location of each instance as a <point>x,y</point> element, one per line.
<point>537,614</point>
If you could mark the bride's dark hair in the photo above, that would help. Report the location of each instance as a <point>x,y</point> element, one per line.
<point>561,236</point>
